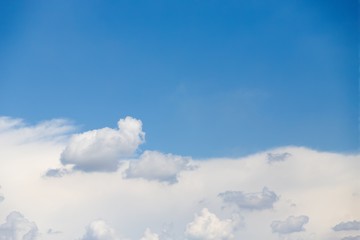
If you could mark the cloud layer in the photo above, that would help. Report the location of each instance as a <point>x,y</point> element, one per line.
<point>218,192</point>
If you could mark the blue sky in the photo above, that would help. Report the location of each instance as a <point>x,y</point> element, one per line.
<point>207,78</point>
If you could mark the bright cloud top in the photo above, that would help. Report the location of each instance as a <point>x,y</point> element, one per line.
<point>99,230</point>
<point>299,186</point>
<point>149,235</point>
<point>207,226</point>
<point>102,149</point>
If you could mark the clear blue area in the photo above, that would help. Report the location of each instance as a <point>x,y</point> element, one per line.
<point>206,77</point>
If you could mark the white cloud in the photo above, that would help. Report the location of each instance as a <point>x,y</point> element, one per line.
<point>99,230</point>
<point>148,235</point>
<point>153,165</point>
<point>207,226</point>
<point>16,227</point>
<point>101,149</point>
<point>290,225</point>
<point>251,201</point>
<point>347,226</point>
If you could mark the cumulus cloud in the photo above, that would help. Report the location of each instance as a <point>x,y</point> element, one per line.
<point>153,165</point>
<point>16,227</point>
<point>351,238</point>
<point>99,230</point>
<point>250,201</point>
<point>207,226</point>
<point>290,225</point>
<point>277,157</point>
<point>101,149</point>
<point>148,235</point>
<point>347,226</point>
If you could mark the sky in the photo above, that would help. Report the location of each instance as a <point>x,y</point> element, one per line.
<point>179,120</point>
<point>232,77</point>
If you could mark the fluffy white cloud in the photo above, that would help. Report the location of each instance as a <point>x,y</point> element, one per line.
<point>347,226</point>
<point>153,165</point>
<point>16,227</point>
<point>101,149</point>
<point>148,235</point>
<point>207,226</point>
<point>251,201</point>
<point>99,230</point>
<point>290,225</point>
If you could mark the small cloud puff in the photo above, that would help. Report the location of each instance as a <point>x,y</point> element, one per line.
<point>250,201</point>
<point>16,227</point>
<point>290,225</point>
<point>347,226</point>
<point>277,157</point>
<point>153,165</point>
<point>101,149</point>
<point>207,226</point>
<point>58,172</point>
<point>148,235</point>
<point>99,230</point>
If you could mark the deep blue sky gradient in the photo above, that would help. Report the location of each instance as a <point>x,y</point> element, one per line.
<point>207,78</point>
